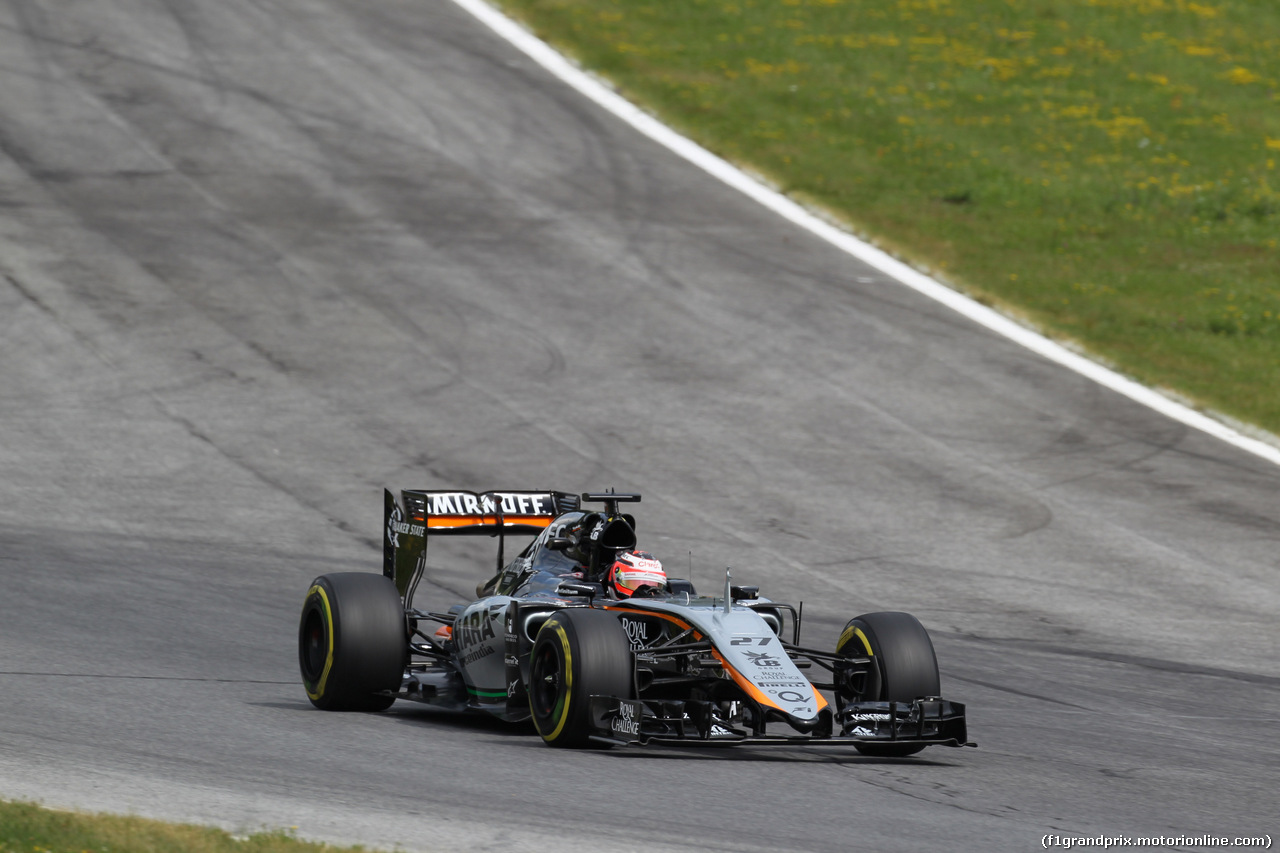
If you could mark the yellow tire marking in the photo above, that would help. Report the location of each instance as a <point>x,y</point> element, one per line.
<point>568,682</point>
<point>328,660</point>
<point>849,633</point>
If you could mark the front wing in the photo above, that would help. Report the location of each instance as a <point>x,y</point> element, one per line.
<point>927,721</point>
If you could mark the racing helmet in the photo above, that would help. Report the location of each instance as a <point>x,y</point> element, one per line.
<point>632,572</point>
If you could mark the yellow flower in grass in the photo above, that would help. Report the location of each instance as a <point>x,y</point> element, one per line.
<point>1242,76</point>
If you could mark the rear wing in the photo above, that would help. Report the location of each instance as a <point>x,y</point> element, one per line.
<point>425,513</point>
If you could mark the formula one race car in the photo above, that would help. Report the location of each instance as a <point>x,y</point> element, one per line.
<point>588,638</point>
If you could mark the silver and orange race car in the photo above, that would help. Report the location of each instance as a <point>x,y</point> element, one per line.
<point>550,639</point>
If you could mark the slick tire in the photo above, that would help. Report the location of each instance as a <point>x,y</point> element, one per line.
<point>352,642</point>
<point>904,666</point>
<point>578,653</point>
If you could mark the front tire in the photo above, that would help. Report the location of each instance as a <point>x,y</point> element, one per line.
<point>352,642</point>
<point>578,653</point>
<point>903,665</point>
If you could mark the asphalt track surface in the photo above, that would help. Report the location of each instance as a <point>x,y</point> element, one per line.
<point>258,260</point>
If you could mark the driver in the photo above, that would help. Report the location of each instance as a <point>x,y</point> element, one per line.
<point>587,546</point>
<point>635,573</point>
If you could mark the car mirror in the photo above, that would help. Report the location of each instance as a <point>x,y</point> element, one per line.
<point>560,543</point>
<point>590,590</point>
<point>679,585</point>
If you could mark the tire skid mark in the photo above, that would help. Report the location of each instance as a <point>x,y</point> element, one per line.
<point>117,677</point>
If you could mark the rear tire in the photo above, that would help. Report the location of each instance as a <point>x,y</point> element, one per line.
<point>904,666</point>
<point>578,653</point>
<point>352,642</point>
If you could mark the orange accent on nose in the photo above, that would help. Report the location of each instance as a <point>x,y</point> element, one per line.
<point>755,692</point>
<point>445,632</point>
<point>745,683</point>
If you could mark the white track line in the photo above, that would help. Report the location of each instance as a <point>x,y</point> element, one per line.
<point>566,71</point>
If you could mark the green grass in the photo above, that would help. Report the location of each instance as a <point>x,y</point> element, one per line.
<point>1104,169</point>
<point>27,828</point>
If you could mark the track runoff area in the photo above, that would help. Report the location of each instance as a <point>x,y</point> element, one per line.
<point>600,93</point>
